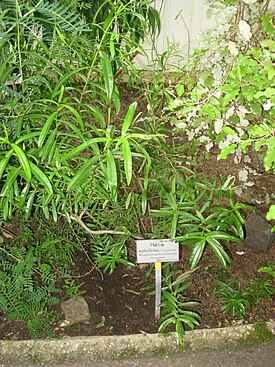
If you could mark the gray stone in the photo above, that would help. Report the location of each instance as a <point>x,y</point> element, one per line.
<point>75,310</point>
<point>258,234</point>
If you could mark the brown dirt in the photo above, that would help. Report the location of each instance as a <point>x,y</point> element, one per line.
<point>120,306</point>
<point>118,303</point>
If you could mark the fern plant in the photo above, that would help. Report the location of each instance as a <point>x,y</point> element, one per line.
<point>21,295</point>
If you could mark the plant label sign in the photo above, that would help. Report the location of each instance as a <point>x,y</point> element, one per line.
<point>157,251</point>
<point>152,251</point>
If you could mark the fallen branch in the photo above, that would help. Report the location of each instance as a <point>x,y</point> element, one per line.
<point>103,231</point>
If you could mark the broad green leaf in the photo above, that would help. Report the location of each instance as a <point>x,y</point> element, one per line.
<point>42,178</point>
<point>82,174</point>
<point>111,174</point>
<point>128,118</point>
<point>197,253</point>
<point>23,160</point>
<point>46,212</point>
<point>127,157</point>
<point>108,75</point>
<point>46,128</point>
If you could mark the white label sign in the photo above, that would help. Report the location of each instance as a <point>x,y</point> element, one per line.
<point>151,251</point>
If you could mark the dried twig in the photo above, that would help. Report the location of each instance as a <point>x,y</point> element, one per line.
<point>103,231</point>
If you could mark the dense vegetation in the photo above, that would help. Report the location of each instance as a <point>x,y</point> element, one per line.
<point>70,155</point>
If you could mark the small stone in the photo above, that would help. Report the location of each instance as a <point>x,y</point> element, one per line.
<point>258,234</point>
<point>75,310</point>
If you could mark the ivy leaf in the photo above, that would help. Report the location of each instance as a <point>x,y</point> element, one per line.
<point>174,104</point>
<point>271,213</point>
<point>269,92</point>
<point>248,91</point>
<point>228,130</point>
<point>269,159</point>
<point>267,25</point>
<point>180,90</point>
<point>259,131</point>
<point>269,44</point>
<point>227,150</point>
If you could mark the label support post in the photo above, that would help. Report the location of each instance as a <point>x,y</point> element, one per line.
<point>158,289</point>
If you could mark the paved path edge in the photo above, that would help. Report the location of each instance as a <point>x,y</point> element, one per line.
<point>82,349</point>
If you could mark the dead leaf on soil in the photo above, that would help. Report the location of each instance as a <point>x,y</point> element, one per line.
<point>6,233</point>
<point>188,272</point>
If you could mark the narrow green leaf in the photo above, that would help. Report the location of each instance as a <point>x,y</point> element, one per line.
<point>11,177</point>
<point>23,160</point>
<point>82,174</point>
<point>221,236</point>
<point>111,174</point>
<point>127,157</point>
<point>27,137</point>
<point>29,205</point>
<point>128,118</point>
<point>45,150</point>
<point>82,147</point>
<point>6,208</point>
<point>108,75</point>
<point>219,251</point>
<point>4,162</point>
<point>75,113</point>
<point>45,129</point>
<point>42,178</point>
<point>144,201</point>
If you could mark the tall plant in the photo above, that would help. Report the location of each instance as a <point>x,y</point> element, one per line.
<point>60,150</point>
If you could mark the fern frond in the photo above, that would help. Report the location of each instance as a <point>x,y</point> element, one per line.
<point>63,16</point>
